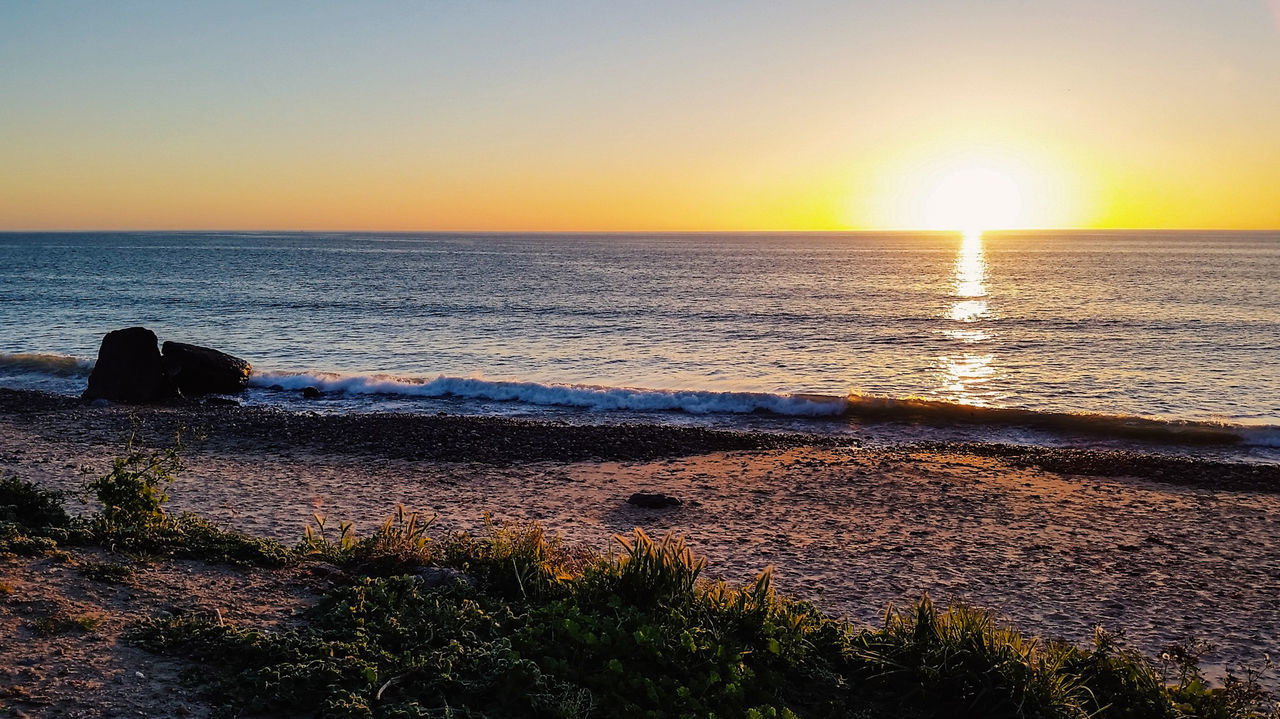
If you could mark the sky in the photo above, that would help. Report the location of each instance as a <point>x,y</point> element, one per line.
<point>620,115</point>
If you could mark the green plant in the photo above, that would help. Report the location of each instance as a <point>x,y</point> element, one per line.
<point>107,572</point>
<point>31,519</point>
<point>1239,697</point>
<point>27,504</point>
<point>665,572</point>
<point>132,516</point>
<point>517,559</point>
<point>967,659</point>
<point>62,622</point>
<point>399,545</point>
<point>318,544</point>
<point>539,630</point>
<point>133,493</point>
<point>189,536</point>
<point>18,539</point>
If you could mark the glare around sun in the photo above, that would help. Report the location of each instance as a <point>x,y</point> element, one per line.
<point>973,199</point>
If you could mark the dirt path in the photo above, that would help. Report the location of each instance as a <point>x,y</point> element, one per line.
<point>61,620</point>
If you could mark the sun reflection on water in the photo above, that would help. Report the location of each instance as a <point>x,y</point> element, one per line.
<point>965,371</point>
<point>971,267</point>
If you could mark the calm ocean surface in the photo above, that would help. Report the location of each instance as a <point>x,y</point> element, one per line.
<point>1174,326</point>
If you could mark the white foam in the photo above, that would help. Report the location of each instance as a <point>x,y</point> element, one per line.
<point>562,395</point>
<point>703,402</point>
<point>1262,436</point>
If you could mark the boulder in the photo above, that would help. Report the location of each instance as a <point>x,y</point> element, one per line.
<point>653,500</point>
<point>312,393</point>
<point>221,402</point>
<point>201,370</point>
<point>130,369</point>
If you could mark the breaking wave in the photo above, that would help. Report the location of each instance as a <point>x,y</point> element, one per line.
<point>45,363</point>
<point>559,395</point>
<point>863,407</point>
<point>64,369</point>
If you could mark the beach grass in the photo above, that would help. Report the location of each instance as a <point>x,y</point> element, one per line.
<point>639,633</point>
<point>514,622</point>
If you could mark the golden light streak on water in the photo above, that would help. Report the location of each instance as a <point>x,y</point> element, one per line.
<point>964,373</point>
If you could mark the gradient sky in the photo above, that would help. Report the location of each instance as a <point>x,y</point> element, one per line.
<point>548,115</point>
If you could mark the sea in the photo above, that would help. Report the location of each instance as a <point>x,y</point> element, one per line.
<point>1166,341</point>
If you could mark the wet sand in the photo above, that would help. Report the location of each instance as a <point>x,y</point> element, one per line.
<point>1056,541</point>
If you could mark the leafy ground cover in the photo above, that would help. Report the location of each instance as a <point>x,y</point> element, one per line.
<point>512,622</point>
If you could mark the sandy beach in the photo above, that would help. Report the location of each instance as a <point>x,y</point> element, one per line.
<point>1056,541</point>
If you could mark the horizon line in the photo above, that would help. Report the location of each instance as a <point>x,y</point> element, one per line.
<point>851,230</point>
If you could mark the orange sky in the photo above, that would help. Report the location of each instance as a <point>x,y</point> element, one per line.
<point>578,116</point>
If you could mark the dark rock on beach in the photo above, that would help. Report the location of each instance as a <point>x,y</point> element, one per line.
<point>130,369</point>
<point>432,577</point>
<point>311,393</point>
<point>222,402</point>
<point>203,370</point>
<point>654,500</point>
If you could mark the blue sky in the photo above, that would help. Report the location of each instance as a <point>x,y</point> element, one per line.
<point>629,115</point>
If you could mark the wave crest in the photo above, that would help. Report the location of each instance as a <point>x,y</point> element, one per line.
<point>46,363</point>
<point>854,406</point>
<point>559,395</point>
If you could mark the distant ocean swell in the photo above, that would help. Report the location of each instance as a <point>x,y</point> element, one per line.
<point>703,402</point>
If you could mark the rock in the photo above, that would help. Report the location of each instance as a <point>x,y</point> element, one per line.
<point>276,388</point>
<point>311,392</point>
<point>202,370</point>
<point>432,577</point>
<point>130,369</point>
<point>653,500</point>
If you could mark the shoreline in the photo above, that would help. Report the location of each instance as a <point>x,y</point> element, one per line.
<point>1055,540</point>
<point>500,440</point>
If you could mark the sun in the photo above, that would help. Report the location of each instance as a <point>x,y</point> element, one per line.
<point>970,187</point>
<point>972,199</point>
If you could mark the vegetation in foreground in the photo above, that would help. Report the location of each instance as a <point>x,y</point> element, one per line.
<point>514,623</point>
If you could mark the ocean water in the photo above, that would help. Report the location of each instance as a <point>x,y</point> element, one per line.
<point>1121,333</point>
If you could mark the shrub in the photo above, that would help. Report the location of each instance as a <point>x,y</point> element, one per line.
<point>108,572</point>
<point>515,559</point>
<point>545,632</point>
<point>384,642</point>
<point>133,493</point>
<point>132,516</point>
<point>1119,682</point>
<point>189,536</point>
<point>399,546</point>
<point>1239,697</point>
<point>27,504</point>
<point>17,539</point>
<point>61,622</point>
<point>646,573</point>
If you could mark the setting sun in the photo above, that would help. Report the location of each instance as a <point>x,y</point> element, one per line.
<point>970,184</point>
<point>973,199</point>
